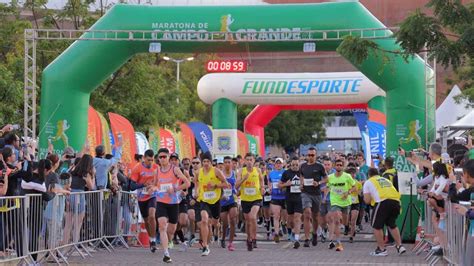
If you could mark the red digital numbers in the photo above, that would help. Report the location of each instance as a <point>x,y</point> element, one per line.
<point>226,66</point>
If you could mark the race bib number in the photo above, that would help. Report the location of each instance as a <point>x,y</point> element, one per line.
<point>227,192</point>
<point>275,185</point>
<point>165,187</point>
<point>250,191</point>
<point>209,195</point>
<point>354,199</point>
<point>295,189</point>
<point>267,198</point>
<point>338,191</point>
<point>308,182</point>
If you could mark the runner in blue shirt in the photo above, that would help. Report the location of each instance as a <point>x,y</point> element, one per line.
<point>277,203</point>
<point>229,205</point>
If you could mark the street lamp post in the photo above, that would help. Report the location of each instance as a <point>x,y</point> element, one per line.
<point>178,62</point>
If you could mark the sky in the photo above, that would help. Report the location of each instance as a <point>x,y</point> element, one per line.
<point>58,4</point>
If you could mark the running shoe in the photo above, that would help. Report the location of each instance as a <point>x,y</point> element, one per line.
<point>332,245</point>
<point>170,245</point>
<point>296,244</point>
<point>339,247</point>
<point>346,230</point>
<point>379,253</point>
<point>183,247</point>
<point>167,259</point>
<point>314,241</point>
<point>306,243</point>
<point>276,238</point>
<point>222,243</point>
<point>153,246</point>
<point>231,247</point>
<point>351,239</point>
<point>254,243</point>
<point>249,245</point>
<point>401,250</point>
<point>205,251</point>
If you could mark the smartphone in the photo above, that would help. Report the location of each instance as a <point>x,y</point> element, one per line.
<point>458,173</point>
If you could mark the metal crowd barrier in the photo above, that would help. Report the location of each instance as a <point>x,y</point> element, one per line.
<point>428,231</point>
<point>32,230</point>
<point>13,228</point>
<point>457,233</point>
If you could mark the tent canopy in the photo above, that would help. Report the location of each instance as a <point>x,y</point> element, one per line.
<point>449,112</point>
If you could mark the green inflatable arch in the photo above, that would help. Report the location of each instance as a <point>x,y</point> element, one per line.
<point>68,81</point>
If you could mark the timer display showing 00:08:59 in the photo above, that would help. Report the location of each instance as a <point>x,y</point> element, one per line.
<point>226,66</point>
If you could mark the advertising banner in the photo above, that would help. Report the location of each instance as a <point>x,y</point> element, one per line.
<point>123,131</point>
<point>107,137</point>
<point>224,142</point>
<point>203,135</point>
<point>253,145</point>
<point>142,143</point>
<point>94,130</point>
<point>243,143</point>
<point>167,140</point>
<point>188,146</point>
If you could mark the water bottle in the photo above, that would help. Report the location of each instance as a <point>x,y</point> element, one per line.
<point>472,199</point>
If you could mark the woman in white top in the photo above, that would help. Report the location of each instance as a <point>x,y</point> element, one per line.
<point>437,194</point>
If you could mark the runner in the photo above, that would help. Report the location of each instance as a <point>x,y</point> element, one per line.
<point>184,203</point>
<point>210,181</point>
<point>170,181</point>
<point>194,213</point>
<point>229,205</point>
<point>277,204</point>
<point>291,180</point>
<point>314,175</point>
<point>325,204</point>
<point>142,179</point>
<point>355,206</point>
<point>362,177</point>
<point>250,184</point>
<point>267,198</point>
<point>381,193</point>
<point>341,185</point>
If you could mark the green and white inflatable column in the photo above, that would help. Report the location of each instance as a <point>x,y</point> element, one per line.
<point>224,131</point>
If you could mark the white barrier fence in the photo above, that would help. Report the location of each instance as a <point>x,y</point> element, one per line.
<point>32,230</point>
<point>454,234</point>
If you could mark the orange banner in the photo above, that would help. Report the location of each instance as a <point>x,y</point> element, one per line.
<point>167,140</point>
<point>243,143</point>
<point>94,130</point>
<point>187,143</point>
<point>122,129</point>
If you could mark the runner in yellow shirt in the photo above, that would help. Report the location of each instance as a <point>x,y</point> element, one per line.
<point>250,183</point>
<point>209,183</point>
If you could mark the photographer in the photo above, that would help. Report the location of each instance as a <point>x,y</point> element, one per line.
<point>457,190</point>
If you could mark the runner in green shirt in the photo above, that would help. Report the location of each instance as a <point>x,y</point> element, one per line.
<point>341,185</point>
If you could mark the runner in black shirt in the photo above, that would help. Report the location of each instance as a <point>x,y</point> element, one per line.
<point>291,181</point>
<point>314,175</point>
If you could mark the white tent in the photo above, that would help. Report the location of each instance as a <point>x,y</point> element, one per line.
<point>449,111</point>
<point>466,121</point>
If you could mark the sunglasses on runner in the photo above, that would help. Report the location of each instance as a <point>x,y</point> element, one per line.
<point>163,156</point>
<point>311,155</point>
<point>195,163</point>
<point>340,165</point>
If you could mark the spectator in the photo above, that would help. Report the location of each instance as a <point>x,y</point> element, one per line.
<point>3,132</point>
<point>82,177</point>
<point>13,141</point>
<point>457,190</point>
<point>457,195</point>
<point>103,165</point>
<point>45,167</point>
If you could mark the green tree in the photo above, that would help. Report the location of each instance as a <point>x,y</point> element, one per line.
<point>448,36</point>
<point>11,63</point>
<point>292,128</point>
